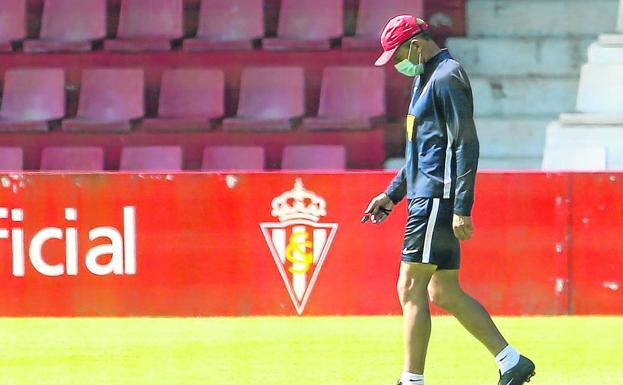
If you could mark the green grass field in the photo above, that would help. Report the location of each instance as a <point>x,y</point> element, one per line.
<point>294,351</point>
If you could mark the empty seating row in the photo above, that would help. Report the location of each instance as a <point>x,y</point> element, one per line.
<point>154,25</point>
<point>170,158</point>
<point>271,98</point>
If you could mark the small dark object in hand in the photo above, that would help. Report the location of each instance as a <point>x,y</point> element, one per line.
<point>366,217</point>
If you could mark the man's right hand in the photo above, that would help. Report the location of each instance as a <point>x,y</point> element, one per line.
<point>375,208</point>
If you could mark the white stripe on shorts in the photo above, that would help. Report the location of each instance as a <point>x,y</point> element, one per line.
<point>430,227</point>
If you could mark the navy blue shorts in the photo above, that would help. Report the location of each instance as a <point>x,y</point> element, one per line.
<point>429,237</point>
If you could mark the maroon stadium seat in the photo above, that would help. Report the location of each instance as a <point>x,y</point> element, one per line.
<point>109,99</point>
<point>372,17</point>
<point>190,99</point>
<point>271,98</point>
<point>223,158</point>
<point>314,157</point>
<point>350,98</point>
<point>69,25</point>
<point>148,25</point>
<point>151,158</point>
<point>11,159</point>
<point>307,25</point>
<point>228,25</point>
<point>72,159</point>
<point>32,98</point>
<point>12,23</point>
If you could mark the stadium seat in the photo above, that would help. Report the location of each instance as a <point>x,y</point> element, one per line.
<point>350,98</point>
<point>148,25</point>
<point>69,25</point>
<point>151,158</point>
<point>190,99</point>
<point>32,98</point>
<point>224,158</point>
<point>72,159</point>
<point>372,17</point>
<point>228,25</point>
<point>314,157</point>
<point>307,25</point>
<point>12,23</point>
<point>109,99</point>
<point>271,98</point>
<point>11,159</point>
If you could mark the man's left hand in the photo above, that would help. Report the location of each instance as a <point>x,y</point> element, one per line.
<point>463,227</point>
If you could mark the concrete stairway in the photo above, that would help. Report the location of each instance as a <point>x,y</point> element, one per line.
<point>524,59</point>
<point>591,137</point>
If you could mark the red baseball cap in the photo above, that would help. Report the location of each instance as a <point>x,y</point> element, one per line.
<point>398,30</point>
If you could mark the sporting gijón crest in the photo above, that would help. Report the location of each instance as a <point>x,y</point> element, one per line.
<point>299,243</point>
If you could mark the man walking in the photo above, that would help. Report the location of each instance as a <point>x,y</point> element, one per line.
<point>438,180</point>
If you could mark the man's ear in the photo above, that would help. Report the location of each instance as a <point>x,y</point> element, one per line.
<point>417,40</point>
<point>413,46</point>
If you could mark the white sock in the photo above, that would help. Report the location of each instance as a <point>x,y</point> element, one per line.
<point>507,359</point>
<point>408,378</point>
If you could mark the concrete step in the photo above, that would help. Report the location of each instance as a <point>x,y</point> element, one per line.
<point>521,56</point>
<point>601,89</point>
<point>541,17</point>
<point>509,163</point>
<point>588,136</point>
<point>512,136</point>
<point>524,95</point>
<point>584,158</point>
<point>394,164</point>
<point>485,163</point>
<point>600,52</point>
<point>582,119</point>
<point>506,142</point>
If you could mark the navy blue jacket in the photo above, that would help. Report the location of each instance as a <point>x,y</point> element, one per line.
<point>441,156</point>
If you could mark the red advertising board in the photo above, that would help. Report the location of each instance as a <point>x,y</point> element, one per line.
<point>597,250</point>
<point>518,259</point>
<point>193,244</point>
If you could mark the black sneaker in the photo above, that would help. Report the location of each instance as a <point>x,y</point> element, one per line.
<point>519,374</point>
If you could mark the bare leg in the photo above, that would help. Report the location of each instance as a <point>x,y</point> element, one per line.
<point>412,291</point>
<point>445,292</point>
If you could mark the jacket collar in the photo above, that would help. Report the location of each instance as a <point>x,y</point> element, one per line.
<point>433,62</point>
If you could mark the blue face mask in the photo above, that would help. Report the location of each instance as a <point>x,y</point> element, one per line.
<point>407,68</point>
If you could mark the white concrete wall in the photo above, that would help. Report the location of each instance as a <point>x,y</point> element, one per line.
<point>610,137</point>
<point>601,89</point>
<point>524,59</point>
<point>620,23</point>
<point>514,18</point>
<point>521,55</point>
<point>499,137</point>
<point>524,96</point>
